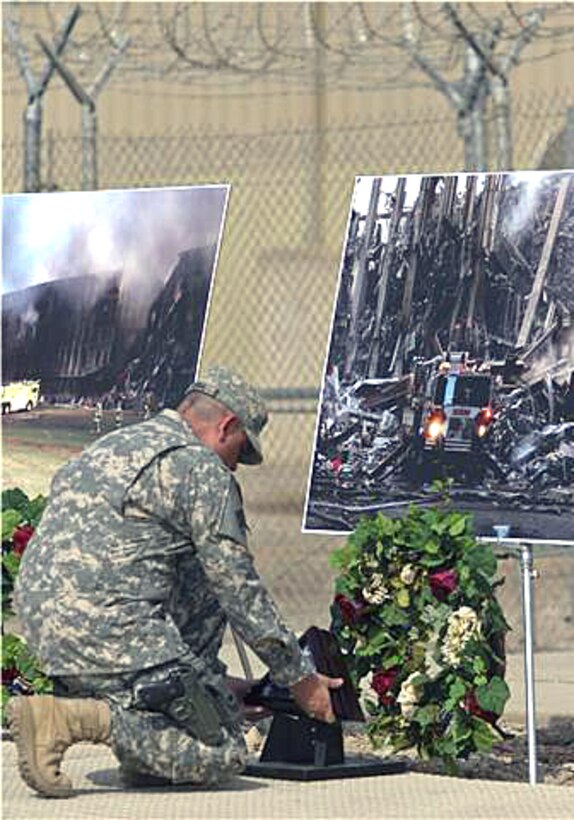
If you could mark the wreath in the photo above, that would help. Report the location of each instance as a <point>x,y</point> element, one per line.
<point>416,616</point>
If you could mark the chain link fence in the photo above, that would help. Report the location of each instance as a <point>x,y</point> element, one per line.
<point>275,288</point>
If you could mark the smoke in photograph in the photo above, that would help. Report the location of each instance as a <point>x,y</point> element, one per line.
<point>105,293</point>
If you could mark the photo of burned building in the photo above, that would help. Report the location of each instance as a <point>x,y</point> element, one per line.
<point>118,313</point>
<point>451,355</point>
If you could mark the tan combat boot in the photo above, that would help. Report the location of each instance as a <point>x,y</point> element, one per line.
<point>43,727</point>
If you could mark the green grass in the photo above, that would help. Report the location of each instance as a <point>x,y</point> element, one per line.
<point>35,445</point>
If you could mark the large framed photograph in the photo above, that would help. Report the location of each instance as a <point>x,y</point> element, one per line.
<point>451,355</point>
<point>104,308</point>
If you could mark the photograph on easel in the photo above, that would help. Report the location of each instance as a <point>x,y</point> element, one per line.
<point>104,306</point>
<point>451,355</point>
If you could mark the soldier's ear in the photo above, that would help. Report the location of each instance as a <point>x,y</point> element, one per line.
<point>229,424</point>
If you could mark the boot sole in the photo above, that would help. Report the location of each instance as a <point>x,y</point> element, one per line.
<point>22,727</point>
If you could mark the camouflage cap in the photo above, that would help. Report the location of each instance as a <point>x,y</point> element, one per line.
<point>241,398</point>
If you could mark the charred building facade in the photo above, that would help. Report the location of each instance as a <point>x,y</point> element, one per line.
<point>84,339</point>
<point>66,333</point>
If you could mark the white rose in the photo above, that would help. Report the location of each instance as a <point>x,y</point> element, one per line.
<point>376,590</point>
<point>408,574</point>
<point>409,695</point>
<point>462,626</point>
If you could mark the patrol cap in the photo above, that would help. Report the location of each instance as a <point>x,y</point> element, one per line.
<point>241,398</point>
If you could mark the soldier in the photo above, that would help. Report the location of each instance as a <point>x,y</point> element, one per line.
<point>125,590</point>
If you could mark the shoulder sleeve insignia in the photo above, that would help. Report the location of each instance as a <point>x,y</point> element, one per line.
<point>233,524</point>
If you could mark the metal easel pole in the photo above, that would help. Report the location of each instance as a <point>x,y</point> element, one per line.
<point>245,664</point>
<point>528,573</point>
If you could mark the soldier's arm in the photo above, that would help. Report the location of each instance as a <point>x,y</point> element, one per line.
<point>250,609</point>
<point>221,544</point>
<point>198,496</point>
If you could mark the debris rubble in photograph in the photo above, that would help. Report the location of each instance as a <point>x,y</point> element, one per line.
<point>451,355</point>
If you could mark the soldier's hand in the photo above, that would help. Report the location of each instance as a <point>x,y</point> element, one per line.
<point>312,694</point>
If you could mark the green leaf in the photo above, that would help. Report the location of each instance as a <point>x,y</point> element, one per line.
<point>460,729</point>
<point>344,585</point>
<point>440,527</point>
<point>458,525</point>
<point>483,735</point>
<point>11,562</point>
<point>451,766</point>
<point>42,685</point>
<point>403,598</point>
<point>35,510</point>
<point>481,558</point>
<point>380,638</point>
<point>426,715</point>
<point>11,648</point>
<point>385,526</point>
<point>493,695</point>
<point>432,546</point>
<point>10,520</point>
<point>392,660</point>
<point>479,665</point>
<point>15,498</point>
<point>341,558</point>
<point>446,747</point>
<point>457,690</point>
<point>418,679</point>
<point>394,616</point>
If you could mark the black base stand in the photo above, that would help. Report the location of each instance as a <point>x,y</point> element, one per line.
<point>299,748</point>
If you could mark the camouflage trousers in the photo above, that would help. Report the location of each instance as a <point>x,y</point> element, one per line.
<point>151,742</point>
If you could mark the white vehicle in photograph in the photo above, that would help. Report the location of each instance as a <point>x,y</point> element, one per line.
<point>18,396</point>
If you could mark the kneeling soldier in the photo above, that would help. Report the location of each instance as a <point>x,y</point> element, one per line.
<point>125,590</point>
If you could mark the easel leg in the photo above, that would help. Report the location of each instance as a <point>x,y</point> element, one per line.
<point>245,665</point>
<point>526,565</point>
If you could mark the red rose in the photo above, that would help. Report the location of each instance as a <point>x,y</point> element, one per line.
<point>443,582</point>
<point>382,681</point>
<point>471,705</point>
<point>350,611</point>
<point>20,538</point>
<point>9,674</point>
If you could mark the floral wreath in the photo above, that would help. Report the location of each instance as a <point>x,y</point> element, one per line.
<point>416,616</point>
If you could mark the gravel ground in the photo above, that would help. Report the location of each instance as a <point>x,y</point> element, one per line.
<point>508,760</point>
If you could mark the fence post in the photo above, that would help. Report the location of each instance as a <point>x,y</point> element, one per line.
<point>569,138</point>
<point>32,143</point>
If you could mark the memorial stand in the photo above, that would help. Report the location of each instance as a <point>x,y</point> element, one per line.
<point>524,551</point>
<point>300,748</point>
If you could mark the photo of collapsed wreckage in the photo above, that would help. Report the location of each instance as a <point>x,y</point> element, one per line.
<point>451,354</point>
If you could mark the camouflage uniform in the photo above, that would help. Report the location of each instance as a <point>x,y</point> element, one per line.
<point>139,562</point>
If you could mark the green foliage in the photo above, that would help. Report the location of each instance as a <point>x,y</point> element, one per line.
<point>416,609</point>
<point>10,520</point>
<point>493,695</point>
<point>21,673</point>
